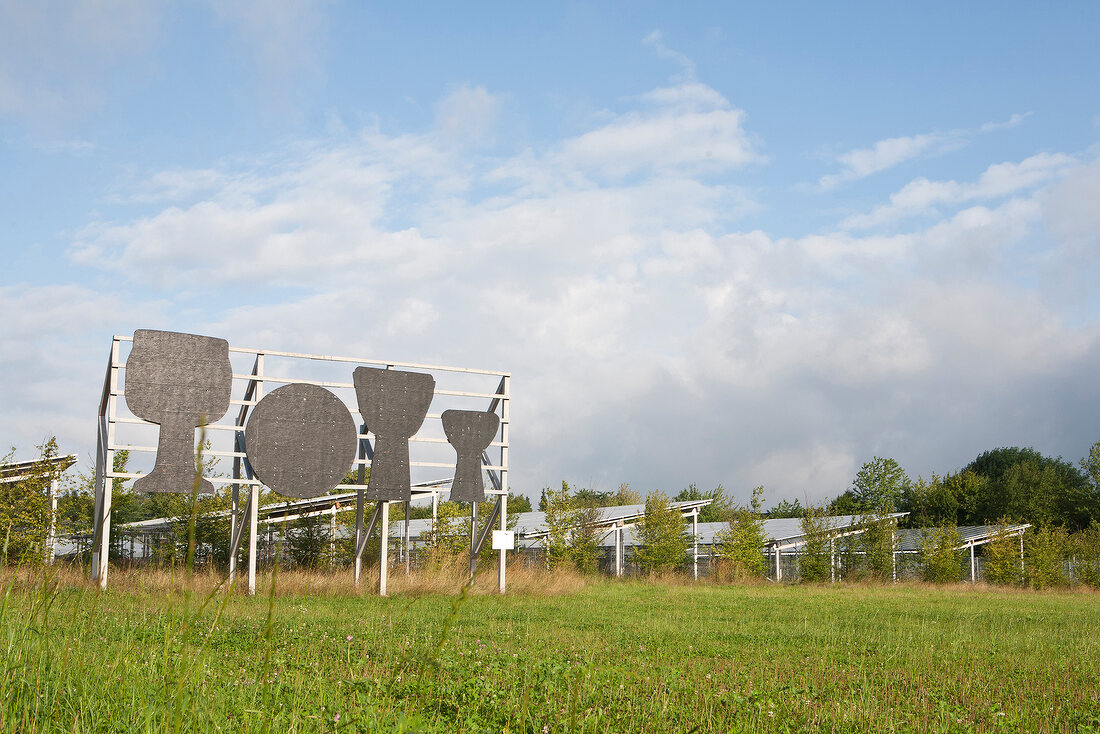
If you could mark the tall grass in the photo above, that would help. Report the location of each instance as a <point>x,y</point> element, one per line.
<point>311,654</point>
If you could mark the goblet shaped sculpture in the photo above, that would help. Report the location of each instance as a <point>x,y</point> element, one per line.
<point>180,381</point>
<point>470,432</point>
<point>393,405</point>
<point>300,440</point>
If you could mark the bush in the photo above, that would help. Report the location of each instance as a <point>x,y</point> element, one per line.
<point>1086,550</point>
<point>815,563</point>
<point>1002,558</point>
<point>663,544</point>
<point>25,510</point>
<point>1045,553</point>
<point>877,543</point>
<point>940,562</point>
<point>740,549</point>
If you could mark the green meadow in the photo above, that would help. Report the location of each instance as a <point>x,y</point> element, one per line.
<point>600,656</point>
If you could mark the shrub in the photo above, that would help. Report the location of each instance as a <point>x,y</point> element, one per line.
<point>815,562</point>
<point>1086,550</point>
<point>1002,558</point>
<point>1045,552</point>
<point>740,548</point>
<point>663,544</point>
<point>940,562</point>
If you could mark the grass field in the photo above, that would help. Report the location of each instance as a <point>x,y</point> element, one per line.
<point>598,657</point>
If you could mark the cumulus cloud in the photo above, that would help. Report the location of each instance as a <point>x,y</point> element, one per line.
<point>885,154</point>
<point>55,57</point>
<point>998,180</point>
<point>652,337</point>
<point>467,114</point>
<point>1014,120</point>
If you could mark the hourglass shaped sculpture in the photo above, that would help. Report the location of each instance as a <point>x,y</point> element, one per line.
<point>300,440</point>
<point>470,432</point>
<point>393,405</point>
<point>180,381</point>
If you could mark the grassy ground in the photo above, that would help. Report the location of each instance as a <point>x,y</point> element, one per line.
<point>599,657</point>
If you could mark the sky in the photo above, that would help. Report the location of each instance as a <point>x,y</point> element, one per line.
<point>712,243</point>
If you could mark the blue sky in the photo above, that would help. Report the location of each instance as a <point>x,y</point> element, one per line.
<point>752,245</point>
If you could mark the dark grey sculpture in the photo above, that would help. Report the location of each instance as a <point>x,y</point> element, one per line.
<point>301,440</point>
<point>394,405</point>
<point>470,432</point>
<point>180,381</point>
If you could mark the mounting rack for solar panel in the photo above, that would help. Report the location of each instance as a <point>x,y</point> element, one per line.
<point>114,417</point>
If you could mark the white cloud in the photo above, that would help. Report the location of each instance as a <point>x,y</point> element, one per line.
<point>467,114</point>
<point>689,127</point>
<point>55,58</point>
<point>1014,120</point>
<point>687,66</point>
<point>649,338</point>
<point>863,162</point>
<point>998,180</point>
<point>283,39</point>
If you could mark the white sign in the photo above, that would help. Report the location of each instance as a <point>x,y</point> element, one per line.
<point>504,539</point>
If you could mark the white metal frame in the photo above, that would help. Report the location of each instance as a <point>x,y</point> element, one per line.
<point>113,417</point>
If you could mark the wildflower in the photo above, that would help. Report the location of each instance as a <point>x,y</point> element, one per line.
<point>350,638</point>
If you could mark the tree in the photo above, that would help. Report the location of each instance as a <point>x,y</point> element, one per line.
<point>1086,550</point>
<point>815,561</point>
<point>663,544</point>
<point>740,547</point>
<point>787,509</point>
<point>25,509</point>
<point>877,543</point>
<point>931,504</point>
<point>518,503</point>
<point>940,562</point>
<point>1002,558</point>
<point>720,509</point>
<point>1025,486</point>
<point>584,537</point>
<point>1045,553</point>
<point>878,485</point>
<point>450,533</point>
<point>557,505</point>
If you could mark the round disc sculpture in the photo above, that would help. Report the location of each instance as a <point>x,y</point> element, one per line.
<point>180,381</point>
<point>470,432</point>
<point>301,440</point>
<point>393,404</point>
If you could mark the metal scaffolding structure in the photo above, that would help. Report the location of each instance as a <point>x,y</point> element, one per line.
<point>255,370</point>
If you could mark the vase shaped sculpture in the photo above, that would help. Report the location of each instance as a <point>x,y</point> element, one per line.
<point>393,404</point>
<point>470,432</point>
<point>181,381</point>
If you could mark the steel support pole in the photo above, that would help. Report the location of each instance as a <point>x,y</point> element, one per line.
<point>473,538</point>
<point>832,560</point>
<point>51,534</point>
<point>778,567</point>
<point>405,539</point>
<point>1022,570</point>
<point>253,534</point>
<point>502,562</point>
<point>384,554</point>
<point>254,492</point>
<point>893,554</point>
<point>619,550</point>
<point>332,537</point>
<point>234,519</point>
<point>695,544</point>
<point>973,574</point>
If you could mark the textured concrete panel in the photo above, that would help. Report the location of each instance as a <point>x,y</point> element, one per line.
<point>301,441</point>
<point>179,381</point>
<point>393,404</point>
<point>470,432</point>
